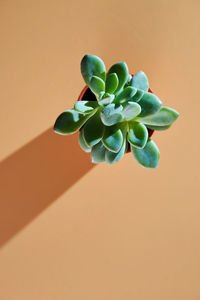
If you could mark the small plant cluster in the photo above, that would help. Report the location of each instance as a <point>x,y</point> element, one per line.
<point>120,117</point>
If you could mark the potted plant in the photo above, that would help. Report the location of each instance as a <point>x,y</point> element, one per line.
<point>116,113</point>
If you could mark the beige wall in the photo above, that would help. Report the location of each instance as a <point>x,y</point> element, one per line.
<point>69,230</point>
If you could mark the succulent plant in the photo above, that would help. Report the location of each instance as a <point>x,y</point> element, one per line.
<point>119,119</point>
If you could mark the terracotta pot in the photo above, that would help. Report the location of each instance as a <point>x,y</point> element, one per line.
<point>86,94</point>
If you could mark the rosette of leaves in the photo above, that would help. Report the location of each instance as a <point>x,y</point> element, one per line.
<point>119,118</point>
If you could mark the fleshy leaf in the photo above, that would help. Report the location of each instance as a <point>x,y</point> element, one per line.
<point>97,85</point>
<point>83,143</point>
<point>93,130</point>
<point>106,99</point>
<point>129,79</point>
<point>92,65</point>
<point>70,121</point>
<point>140,81</point>
<point>101,95</point>
<point>159,127</point>
<point>125,95</point>
<point>150,104</point>
<point>149,156</point>
<point>164,117</point>
<point>98,153</point>
<point>114,137</point>
<point>131,110</point>
<point>85,107</point>
<point>121,70</point>
<point>111,114</point>
<point>137,135</point>
<point>112,157</point>
<point>139,94</point>
<point>111,83</point>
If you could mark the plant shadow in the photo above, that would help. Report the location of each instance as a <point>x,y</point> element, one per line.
<point>35,176</point>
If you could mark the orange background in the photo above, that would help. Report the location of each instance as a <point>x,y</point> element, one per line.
<point>69,230</point>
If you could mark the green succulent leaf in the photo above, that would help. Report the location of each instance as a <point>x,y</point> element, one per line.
<point>93,130</point>
<point>70,121</point>
<point>137,135</point>
<point>129,79</point>
<point>140,81</point>
<point>112,157</point>
<point>114,137</point>
<point>121,70</point>
<point>164,117</point>
<point>92,65</point>
<point>97,85</point>
<point>149,156</point>
<point>111,114</point>
<point>159,127</point>
<point>111,83</point>
<point>139,94</point>
<point>85,107</point>
<point>106,99</point>
<point>98,153</point>
<point>125,95</point>
<point>84,146</point>
<point>101,95</point>
<point>131,110</point>
<point>150,104</point>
